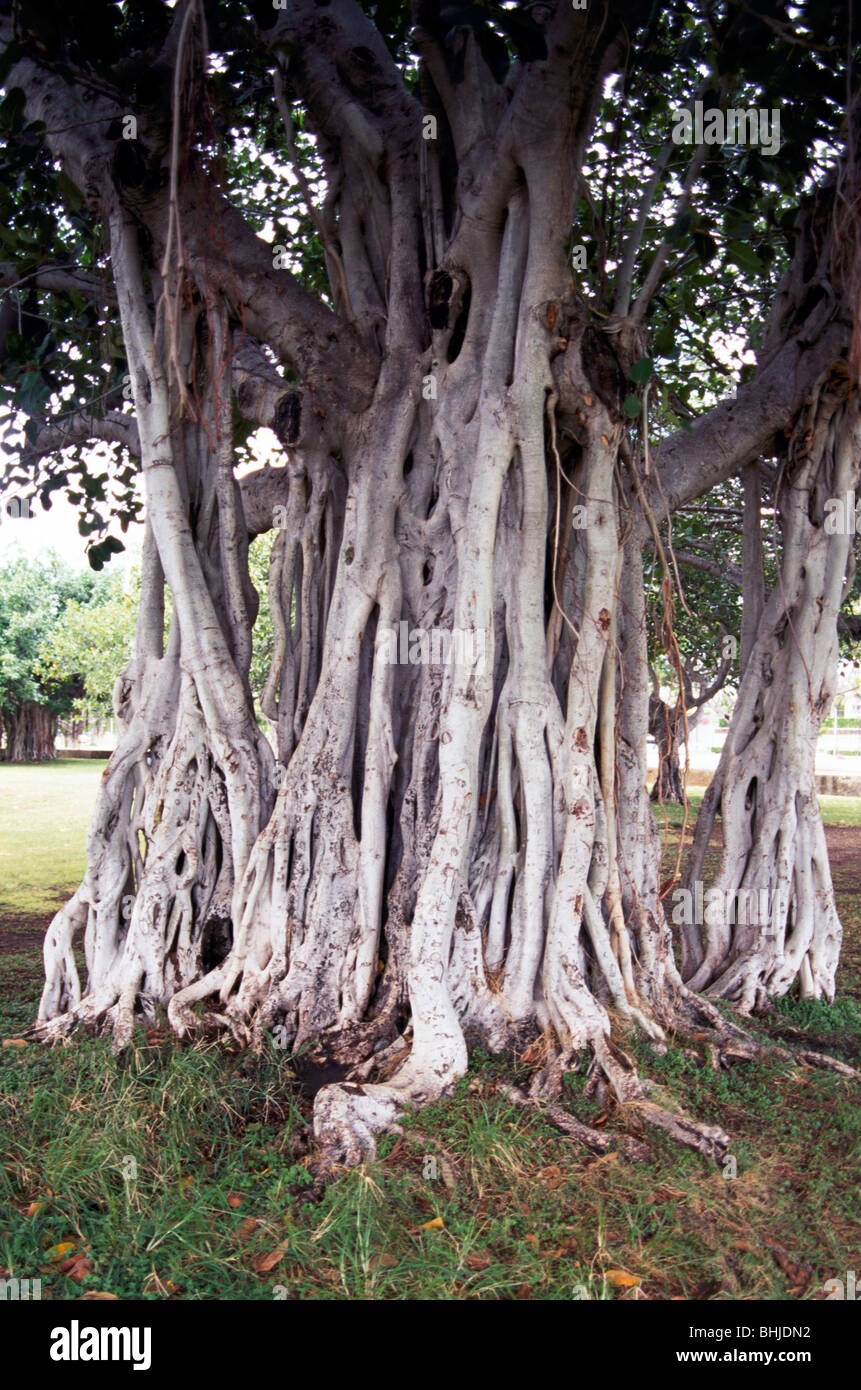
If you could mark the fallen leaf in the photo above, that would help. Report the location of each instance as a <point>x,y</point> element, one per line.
<point>261,1264</point>
<point>383,1262</point>
<point>185,1182</point>
<point>234,1200</point>
<point>34,1208</point>
<point>799,1275</point>
<point>620,1279</point>
<point>15,1042</point>
<point>98,1293</point>
<point>247,1226</point>
<point>59,1252</point>
<point>532,1240</point>
<point>435,1225</point>
<point>602,1158</point>
<point>77,1268</point>
<point>478,1260</point>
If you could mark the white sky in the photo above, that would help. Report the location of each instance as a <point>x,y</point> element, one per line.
<point>56,530</point>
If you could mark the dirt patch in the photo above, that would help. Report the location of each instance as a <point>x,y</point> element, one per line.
<point>22,932</point>
<point>844,849</point>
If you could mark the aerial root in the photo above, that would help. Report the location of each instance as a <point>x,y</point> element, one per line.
<point>613,1071</point>
<point>726,1042</point>
<point>598,1141</point>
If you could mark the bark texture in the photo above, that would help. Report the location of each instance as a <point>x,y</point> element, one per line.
<point>29,732</point>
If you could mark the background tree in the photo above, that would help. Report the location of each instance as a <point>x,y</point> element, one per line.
<point>91,645</point>
<point>35,597</point>
<point>522,270</point>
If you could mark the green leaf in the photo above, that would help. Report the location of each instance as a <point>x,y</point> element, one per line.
<point>665,340</point>
<point>745,258</point>
<point>631,406</point>
<point>641,371</point>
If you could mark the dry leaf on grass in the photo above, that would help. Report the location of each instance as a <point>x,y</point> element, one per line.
<point>551,1177</point>
<point>478,1260</point>
<point>261,1264</point>
<point>77,1268</point>
<point>620,1279</point>
<point>155,1284</point>
<point>99,1294</point>
<point>234,1200</point>
<point>435,1225</point>
<point>61,1251</point>
<point>799,1275</point>
<point>383,1262</point>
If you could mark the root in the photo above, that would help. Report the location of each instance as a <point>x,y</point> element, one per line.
<point>596,1140</point>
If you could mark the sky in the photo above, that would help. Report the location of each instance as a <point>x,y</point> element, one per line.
<point>57,529</point>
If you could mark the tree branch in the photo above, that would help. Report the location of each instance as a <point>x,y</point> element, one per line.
<point>113,428</point>
<point>59,279</point>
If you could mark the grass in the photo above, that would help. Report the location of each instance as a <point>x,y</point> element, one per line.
<point>180,1171</point>
<point>44,814</point>
<point>836,810</point>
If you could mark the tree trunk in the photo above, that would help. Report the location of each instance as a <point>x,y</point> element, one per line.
<point>30,731</point>
<point>666,725</point>
<point>772,916</point>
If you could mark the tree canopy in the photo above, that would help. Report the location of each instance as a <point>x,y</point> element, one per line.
<point>37,599</point>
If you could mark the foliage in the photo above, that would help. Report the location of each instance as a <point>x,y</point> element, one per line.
<point>94,641</point>
<point>262,636</point>
<point>34,599</point>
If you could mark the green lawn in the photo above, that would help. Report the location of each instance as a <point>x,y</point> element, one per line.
<point>182,1171</point>
<point>836,810</point>
<point>44,813</point>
